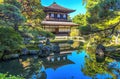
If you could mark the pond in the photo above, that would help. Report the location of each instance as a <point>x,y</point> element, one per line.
<point>68,66</point>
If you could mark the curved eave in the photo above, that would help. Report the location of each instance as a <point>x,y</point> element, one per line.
<point>48,9</point>
<point>55,23</point>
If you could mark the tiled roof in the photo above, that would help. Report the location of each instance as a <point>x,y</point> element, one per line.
<point>56,7</point>
<point>56,23</point>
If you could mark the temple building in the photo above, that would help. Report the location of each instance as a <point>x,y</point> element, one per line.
<point>56,20</point>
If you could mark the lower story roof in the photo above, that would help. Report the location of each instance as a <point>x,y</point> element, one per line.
<point>58,23</point>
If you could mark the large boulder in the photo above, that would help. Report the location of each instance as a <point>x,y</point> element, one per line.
<point>100,50</point>
<point>45,51</point>
<point>11,56</point>
<point>100,53</point>
<point>40,46</point>
<point>33,52</point>
<point>24,51</point>
<point>100,46</point>
<point>47,42</point>
<point>40,49</point>
<point>56,49</point>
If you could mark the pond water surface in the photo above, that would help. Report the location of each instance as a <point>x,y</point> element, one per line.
<point>70,67</point>
<point>73,71</point>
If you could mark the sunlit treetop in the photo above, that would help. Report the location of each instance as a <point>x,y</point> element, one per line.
<point>1,1</point>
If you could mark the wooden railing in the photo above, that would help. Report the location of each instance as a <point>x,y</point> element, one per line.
<point>76,38</point>
<point>56,19</point>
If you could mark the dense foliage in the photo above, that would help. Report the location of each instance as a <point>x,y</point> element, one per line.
<point>11,15</point>
<point>5,76</point>
<point>105,16</point>
<point>20,19</point>
<point>99,25</point>
<point>10,41</point>
<point>33,11</point>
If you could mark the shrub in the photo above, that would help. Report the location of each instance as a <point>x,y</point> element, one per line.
<point>5,76</point>
<point>10,40</point>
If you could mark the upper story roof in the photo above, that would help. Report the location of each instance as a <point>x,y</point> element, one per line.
<point>57,8</point>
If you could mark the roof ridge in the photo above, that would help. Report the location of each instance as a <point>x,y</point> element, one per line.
<point>56,7</point>
<point>54,3</point>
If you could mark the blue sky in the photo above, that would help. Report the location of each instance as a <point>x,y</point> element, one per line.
<point>71,4</point>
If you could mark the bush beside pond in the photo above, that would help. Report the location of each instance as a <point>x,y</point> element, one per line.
<point>5,76</point>
<point>10,41</point>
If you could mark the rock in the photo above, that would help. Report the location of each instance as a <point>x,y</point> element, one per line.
<point>47,42</point>
<point>24,51</point>
<point>56,49</point>
<point>11,56</point>
<point>100,46</point>
<point>40,49</point>
<point>40,46</point>
<point>100,58</point>
<point>14,56</point>
<point>100,53</point>
<point>100,50</point>
<point>40,52</point>
<point>33,52</point>
<point>45,51</point>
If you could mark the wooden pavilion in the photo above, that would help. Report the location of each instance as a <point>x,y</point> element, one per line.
<point>56,20</point>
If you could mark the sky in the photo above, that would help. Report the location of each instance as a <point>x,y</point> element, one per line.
<point>71,4</point>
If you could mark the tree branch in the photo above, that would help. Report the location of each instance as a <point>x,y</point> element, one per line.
<point>109,28</point>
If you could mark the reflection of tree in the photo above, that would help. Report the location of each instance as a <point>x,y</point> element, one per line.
<point>92,67</point>
<point>75,44</point>
<point>24,66</point>
<point>13,67</point>
<point>31,66</point>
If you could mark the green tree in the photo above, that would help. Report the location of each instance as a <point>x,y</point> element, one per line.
<point>102,23</point>
<point>13,2</point>
<point>80,19</point>
<point>33,11</point>
<point>105,18</point>
<point>10,41</point>
<point>11,14</point>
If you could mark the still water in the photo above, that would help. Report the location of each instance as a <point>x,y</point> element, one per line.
<point>73,71</point>
<point>63,68</point>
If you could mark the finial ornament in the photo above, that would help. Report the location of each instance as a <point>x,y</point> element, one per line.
<point>54,2</point>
